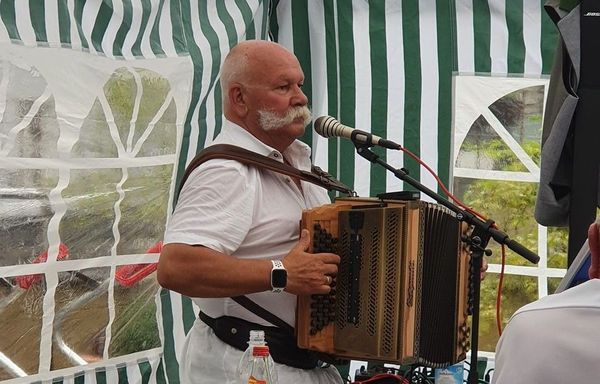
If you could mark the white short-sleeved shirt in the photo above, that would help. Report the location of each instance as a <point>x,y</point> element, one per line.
<point>245,212</point>
<point>552,340</point>
<point>249,213</point>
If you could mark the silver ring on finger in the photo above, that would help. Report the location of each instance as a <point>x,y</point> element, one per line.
<point>328,278</point>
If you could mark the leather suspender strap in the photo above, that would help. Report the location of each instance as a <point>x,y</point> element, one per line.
<point>261,312</point>
<point>232,152</point>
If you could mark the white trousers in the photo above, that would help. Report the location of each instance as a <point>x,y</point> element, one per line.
<point>205,359</point>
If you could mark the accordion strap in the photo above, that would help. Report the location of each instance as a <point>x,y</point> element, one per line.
<point>232,152</point>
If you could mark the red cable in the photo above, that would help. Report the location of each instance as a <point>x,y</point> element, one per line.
<point>441,184</point>
<point>499,292</point>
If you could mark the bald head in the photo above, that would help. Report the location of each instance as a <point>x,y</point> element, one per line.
<point>249,60</point>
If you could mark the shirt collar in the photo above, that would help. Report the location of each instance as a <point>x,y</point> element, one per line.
<point>298,153</point>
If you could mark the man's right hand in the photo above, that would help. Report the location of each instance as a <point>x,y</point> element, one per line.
<point>309,273</point>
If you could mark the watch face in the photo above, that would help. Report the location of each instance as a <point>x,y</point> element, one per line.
<point>278,278</point>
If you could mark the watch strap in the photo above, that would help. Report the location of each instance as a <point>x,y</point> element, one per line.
<point>277,264</point>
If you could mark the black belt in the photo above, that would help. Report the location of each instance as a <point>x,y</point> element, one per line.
<point>282,345</point>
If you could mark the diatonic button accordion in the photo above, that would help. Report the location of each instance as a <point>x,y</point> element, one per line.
<point>402,290</point>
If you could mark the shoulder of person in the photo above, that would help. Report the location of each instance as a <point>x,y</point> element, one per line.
<point>221,166</point>
<point>586,294</point>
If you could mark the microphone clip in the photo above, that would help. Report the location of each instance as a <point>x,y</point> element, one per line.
<point>362,139</point>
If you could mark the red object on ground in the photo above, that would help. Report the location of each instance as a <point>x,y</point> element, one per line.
<point>27,281</point>
<point>127,275</point>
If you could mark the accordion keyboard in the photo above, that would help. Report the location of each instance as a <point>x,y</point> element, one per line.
<point>322,307</point>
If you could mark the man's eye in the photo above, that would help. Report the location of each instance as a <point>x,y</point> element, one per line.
<point>284,87</point>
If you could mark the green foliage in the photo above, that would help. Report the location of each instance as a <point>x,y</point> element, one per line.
<point>510,204</point>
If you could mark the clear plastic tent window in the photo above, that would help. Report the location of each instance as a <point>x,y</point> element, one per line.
<point>86,178</point>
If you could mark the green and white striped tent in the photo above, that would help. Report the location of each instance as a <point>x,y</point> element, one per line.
<point>103,102</point>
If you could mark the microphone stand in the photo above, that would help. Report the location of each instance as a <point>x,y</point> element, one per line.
<point>477,241</point>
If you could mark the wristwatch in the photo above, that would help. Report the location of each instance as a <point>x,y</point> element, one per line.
<point>278,276</point>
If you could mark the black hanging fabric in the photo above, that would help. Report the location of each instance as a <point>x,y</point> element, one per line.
<point>586,131</point>
<point>568,188</point>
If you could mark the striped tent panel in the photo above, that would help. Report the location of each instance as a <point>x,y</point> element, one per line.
<point>382,67</point>
<point>127,29</point>
<point>386,68</point>
<point>211,29</point>
<point>142,372</point>
<point>504,37</point>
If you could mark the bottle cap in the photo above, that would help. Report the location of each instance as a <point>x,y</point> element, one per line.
<point>257,337</point>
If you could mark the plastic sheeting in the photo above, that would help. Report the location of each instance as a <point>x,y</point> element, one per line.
<point>87,160</point>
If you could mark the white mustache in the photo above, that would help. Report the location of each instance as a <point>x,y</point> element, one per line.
<point>270,120</point>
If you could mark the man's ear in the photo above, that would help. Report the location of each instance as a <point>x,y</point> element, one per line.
<point>594,243</point>
<point>237,100</point>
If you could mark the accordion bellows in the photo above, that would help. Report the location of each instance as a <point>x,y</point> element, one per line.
<point>402,291</point>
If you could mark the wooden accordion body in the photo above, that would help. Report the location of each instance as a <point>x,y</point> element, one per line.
<point>401,294</point>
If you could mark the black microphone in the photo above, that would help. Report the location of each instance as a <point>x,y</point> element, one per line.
<point>327,126</point>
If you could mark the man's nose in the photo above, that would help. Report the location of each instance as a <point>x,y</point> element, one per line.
<point>299,97</point>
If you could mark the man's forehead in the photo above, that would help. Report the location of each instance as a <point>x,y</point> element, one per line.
<point>277,74</point>
<point>291,75</point>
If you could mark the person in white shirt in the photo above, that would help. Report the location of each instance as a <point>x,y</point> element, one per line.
<point>232,220</point>
<point>555,339</point>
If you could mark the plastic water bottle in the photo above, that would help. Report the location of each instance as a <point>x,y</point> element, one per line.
<point>256,365</point>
